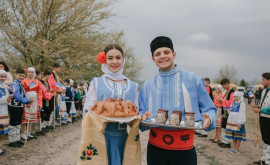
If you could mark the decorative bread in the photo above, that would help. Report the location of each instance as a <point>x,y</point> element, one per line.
<point>115,108</point>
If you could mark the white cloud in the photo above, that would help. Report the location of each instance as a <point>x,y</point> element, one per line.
<point>200,37</point>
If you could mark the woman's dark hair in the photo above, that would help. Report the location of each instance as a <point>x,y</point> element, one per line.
<point>266,75</point>
<point>113,46</point>
<point>6,68</point>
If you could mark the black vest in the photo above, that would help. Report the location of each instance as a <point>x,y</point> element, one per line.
<point>229,94</point>
<point>13,102</point>
<point>68,94</point>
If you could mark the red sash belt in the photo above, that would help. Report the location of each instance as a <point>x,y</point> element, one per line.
<point>172,139</point>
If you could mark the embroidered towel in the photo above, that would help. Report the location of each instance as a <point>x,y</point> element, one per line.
<point>93,144</point>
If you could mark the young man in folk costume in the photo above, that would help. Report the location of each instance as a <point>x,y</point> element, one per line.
<point>173,89</point>
<point>226,104</point>
<point>264,111</point>
<point>15,108</point>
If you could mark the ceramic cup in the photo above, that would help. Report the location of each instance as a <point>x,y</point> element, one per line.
<point>189,119</point>
<point>162,116</point>
<point>175,117</point>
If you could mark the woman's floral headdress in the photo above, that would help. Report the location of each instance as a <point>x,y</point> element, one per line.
<point>101,58</point>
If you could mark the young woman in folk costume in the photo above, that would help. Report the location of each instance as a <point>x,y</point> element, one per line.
<point>235,128</point>
<point>5,98</point>
<point>33,89</point>
<point>218,104</point>
<point>113,84</point>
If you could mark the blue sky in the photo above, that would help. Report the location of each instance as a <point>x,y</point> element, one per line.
<point>206,34</point>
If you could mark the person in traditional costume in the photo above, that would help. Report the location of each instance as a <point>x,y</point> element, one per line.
<point>16,107</point>
<point>47,104</point>
<point>226,104</point>
<point>203,133</point>
<point>208,88</point>
<point>9,79</point>
<point>264,111</point>
<point>4,100</point>
<point>250,94</point>
<point>218,104</point>
<point>69,99</point>
<point>46,95</point>
<point>53,80</point>
<point>173,89</point>
<point>82,93</point>
<point>113,84</point>
<point>235,128</point>
<point>73,110</point>
<point>258,94</point>
<point>31,113</point>
<point>62,106</point>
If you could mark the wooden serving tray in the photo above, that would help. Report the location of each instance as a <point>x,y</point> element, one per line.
<point>152,122</point>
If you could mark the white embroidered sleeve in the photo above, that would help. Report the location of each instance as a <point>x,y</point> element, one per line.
<point>242,114</point>
<point>91,97</point>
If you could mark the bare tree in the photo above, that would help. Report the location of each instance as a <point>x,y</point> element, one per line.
<point>227,71</point>
<point>39,33</point>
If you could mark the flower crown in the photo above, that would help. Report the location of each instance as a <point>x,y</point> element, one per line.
<point>101,58</point>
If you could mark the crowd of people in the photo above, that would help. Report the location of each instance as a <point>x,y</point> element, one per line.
<point>44,102</point>
<point>33,103</point>
<point>231,115</point>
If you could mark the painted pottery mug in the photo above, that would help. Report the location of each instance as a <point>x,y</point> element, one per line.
<point>162,116</point>
<point>189,119</point>
<point>175,117</point>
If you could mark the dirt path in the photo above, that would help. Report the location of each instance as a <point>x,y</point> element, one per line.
<point>61,148</point>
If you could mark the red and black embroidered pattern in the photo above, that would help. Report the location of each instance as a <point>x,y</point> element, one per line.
<point>153,133</point>
<point>87,154</point>
<point>184,138</point>
<point>168,139</point>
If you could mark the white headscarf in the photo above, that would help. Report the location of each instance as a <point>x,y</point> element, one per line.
<point>2,72</point>
<point>71,81</point>
<point>240,95</point>
<point>114,76</point>
<point>221,89</point>
<point>33,70</point>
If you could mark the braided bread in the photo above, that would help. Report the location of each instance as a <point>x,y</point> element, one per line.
<point>115,108</point>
